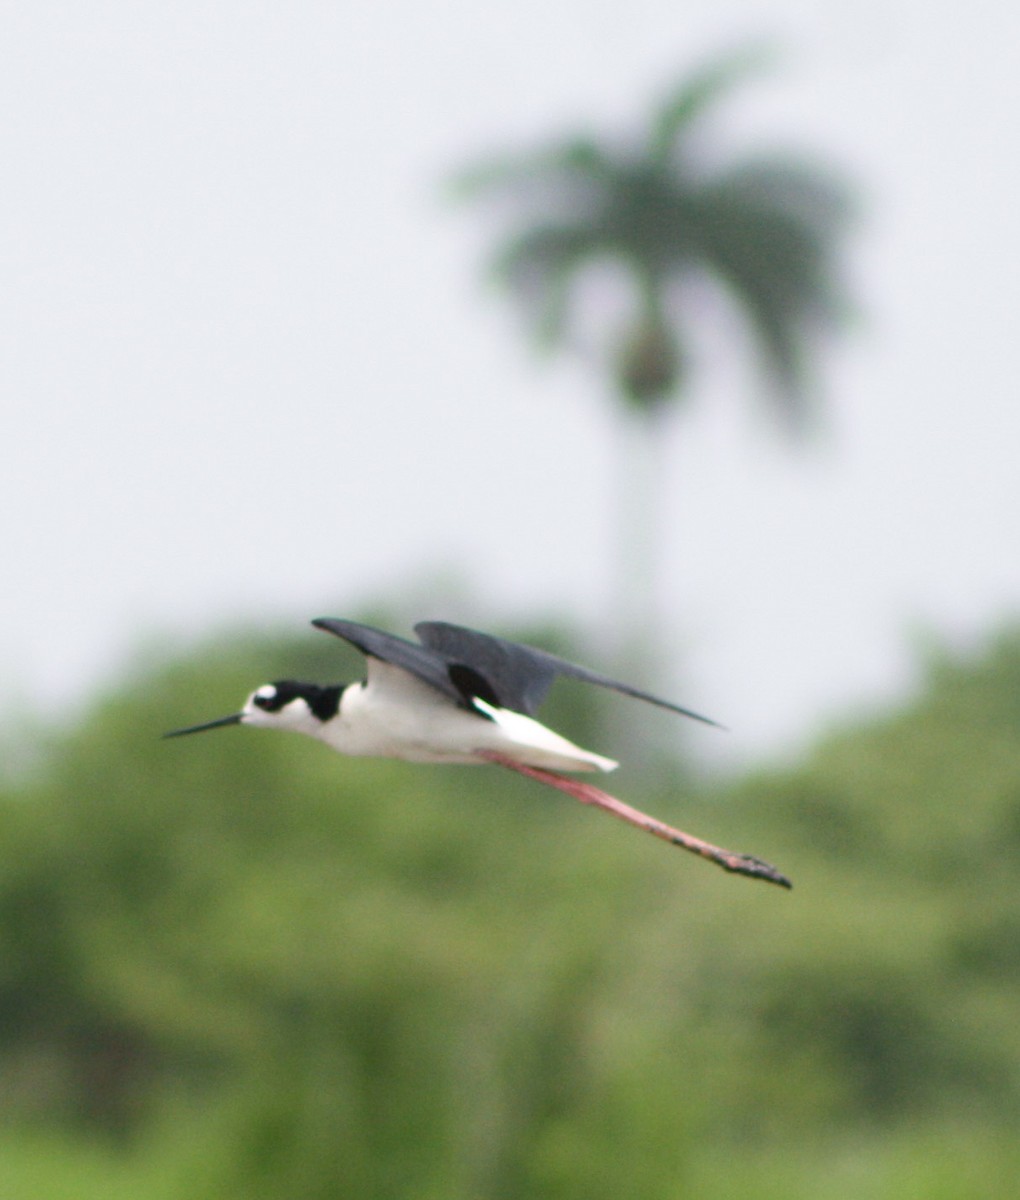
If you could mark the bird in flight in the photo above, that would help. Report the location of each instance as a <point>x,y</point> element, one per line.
<point>460,696</point>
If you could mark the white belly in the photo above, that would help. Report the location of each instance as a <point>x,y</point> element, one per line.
<point>398,716</point>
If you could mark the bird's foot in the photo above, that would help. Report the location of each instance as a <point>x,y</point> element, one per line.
<point>757,868</point>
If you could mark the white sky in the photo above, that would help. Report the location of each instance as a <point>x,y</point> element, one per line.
<point>248,369</point>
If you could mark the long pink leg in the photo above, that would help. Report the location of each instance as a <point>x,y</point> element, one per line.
<point>742,864</point>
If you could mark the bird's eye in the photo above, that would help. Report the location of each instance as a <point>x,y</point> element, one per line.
<point>264,697</point>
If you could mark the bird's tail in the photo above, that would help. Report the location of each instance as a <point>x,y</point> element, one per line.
<point>530,742</point>
<point>594,762</point>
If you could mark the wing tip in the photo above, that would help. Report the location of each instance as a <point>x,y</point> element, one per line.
<point>334,625</point>
<point>704,720</point>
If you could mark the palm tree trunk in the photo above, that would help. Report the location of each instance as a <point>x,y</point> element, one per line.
<point>637,601</point>
<point>637,550</point>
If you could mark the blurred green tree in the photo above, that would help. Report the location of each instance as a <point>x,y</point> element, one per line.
<point>764,229</point>
<point>262,971</point>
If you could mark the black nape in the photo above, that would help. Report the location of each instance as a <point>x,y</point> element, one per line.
<point>324,701</point>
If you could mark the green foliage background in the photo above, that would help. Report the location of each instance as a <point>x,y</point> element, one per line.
<point>240,966</point>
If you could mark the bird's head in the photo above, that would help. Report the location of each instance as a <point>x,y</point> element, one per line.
<point>285,704</point>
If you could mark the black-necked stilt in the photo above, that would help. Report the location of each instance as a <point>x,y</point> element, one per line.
<point>459,696</point>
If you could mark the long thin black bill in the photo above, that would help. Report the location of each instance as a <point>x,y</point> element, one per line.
<point>234,720</point>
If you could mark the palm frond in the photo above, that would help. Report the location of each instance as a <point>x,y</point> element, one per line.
<point>814,195</point>
<point>776,273</point>
<point>573,165</point>
<point>701,92</point>
<point>775,225</point>
<point>539,266</point>
<point>768,230</point>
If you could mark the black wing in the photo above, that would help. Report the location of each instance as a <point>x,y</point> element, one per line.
<point>428,665</point>
<point>515,676</point>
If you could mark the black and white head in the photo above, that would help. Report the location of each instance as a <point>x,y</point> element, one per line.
<point>285,704</point>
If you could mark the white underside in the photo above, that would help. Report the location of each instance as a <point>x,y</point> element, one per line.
<point>395,715</point>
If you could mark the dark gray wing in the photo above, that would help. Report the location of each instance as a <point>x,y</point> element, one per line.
<point>426,664</point>
<point>515,676</point>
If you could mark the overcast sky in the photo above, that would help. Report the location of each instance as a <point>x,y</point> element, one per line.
<point>249,370</point>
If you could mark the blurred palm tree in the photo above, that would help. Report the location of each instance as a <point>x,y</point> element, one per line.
<point>764,229</point>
